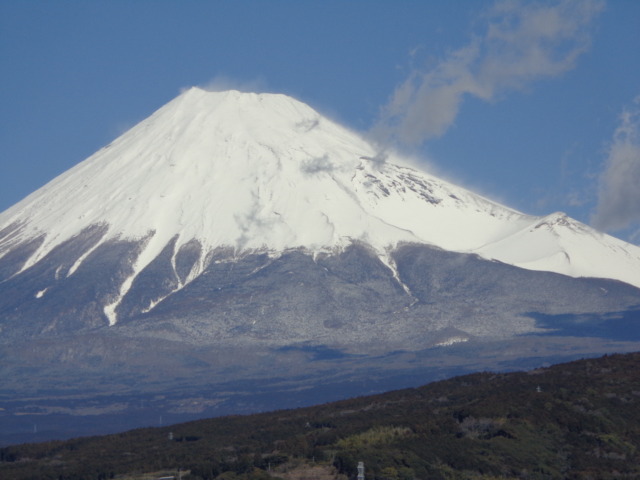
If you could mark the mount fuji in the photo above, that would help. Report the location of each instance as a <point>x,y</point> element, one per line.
<point>232,237</point>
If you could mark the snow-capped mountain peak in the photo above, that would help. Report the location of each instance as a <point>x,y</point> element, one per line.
<point>251,171</point>
<point>265,172</point>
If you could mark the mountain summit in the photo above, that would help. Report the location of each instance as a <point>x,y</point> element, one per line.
<point>253,172</point>
<point>233,240</point>
<point>264,172</point>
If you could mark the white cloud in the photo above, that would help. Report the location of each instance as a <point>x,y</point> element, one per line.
<point>221,83</point>
<point>618,204</point>
<point>317,165</point>
<point>521,43</point>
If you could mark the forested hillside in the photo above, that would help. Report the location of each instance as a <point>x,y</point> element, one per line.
<point>577,420</point>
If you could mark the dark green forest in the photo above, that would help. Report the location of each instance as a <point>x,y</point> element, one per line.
<point>579,420</point>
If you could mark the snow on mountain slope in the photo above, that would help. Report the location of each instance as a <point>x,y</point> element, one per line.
<point>557,243</point>
<point>434,211</point>
<point>251,171</point>
<point>266,172</point>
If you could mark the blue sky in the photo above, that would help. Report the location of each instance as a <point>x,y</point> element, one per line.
<point>534,104</point>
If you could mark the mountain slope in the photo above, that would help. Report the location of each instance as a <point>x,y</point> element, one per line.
<point>244,245</point>
<point>260,172</point>
<point>557,243</point>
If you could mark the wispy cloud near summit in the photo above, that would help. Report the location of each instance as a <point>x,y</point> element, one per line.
<point>520,43</point>
<point>221,83</point>
<point>619,194</point>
